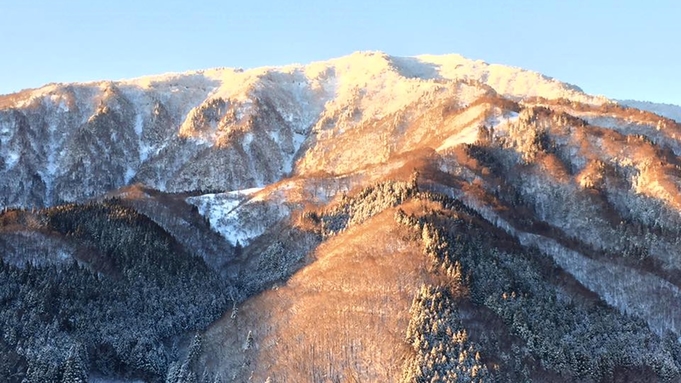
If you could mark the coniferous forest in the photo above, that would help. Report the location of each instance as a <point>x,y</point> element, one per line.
<point>121,315</point>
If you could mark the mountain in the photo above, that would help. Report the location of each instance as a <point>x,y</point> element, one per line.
<point>371,217</point>
<point>225,129</point>
<point>665,110</point>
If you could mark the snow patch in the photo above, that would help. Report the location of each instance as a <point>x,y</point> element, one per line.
<point>129,173</point>
<point>219,209</point>
<point>244,109</point>
<point>146,151</point>
<point>248,139</point>
<point>298,140</point>
<point>500,124</point>
<point>506,119</point>
<point>469,135</point>
<point>51,166</point>
<point>11,159</point>
<point>466,136</point>
<point>244,192</point>
<point>139,124</point>
<point>233,215</point>
<point>63,255</point>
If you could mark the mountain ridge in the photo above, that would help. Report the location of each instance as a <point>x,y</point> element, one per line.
<point>207,107</point>
<point>423,59</point>
<point>663,109</point>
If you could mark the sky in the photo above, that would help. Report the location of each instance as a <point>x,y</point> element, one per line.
<point>621,49</point>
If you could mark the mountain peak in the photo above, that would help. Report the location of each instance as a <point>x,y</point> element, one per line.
<point>508,81</point>
<point>365,97</point>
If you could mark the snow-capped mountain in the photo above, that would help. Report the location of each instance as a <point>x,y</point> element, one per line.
<point>370,217</point>
<point>225,129</point>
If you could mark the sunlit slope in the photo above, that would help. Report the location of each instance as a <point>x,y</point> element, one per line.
<point>344,315</point>
<point>412,285</point>
<point>228,129</point>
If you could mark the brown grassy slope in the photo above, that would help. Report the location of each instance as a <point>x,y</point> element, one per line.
<point>342,318</point>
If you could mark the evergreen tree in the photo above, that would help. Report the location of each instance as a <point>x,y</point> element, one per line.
<point>75,368</point>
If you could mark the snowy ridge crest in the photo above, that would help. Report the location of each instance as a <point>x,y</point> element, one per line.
<point>230,129</point>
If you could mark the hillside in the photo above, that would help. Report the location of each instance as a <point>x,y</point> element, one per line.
<point>228,129</point>
<point>366,218</point>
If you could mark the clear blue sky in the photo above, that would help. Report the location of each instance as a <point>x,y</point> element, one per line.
<point>622,49</point>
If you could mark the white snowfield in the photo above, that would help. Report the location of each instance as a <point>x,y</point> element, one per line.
<point>239,216</point>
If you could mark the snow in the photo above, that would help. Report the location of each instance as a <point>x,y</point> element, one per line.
<point>219,209</point>
<point>298,140</point>
<point>129,173</point>
<point>51,166</point>
<point>59,103</point>
<point>11,158</point>
<point>311,103</point>
<point>370,81</point>
<point>244,192</point>
<point>139,125</point>
<point>499,121</point>
<point>145,151</point>
<point>248,139</point>
<point>225,214</point>
<point>664,110</point>
<point>375,83</point>
<point>632,291</point>
<point>467,136</point>
<point>348,91</point>
<point>506,80</point>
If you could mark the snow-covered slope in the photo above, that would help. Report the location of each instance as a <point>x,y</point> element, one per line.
<point>665,110</point>
<point>508,81</point>
<point>227,129</point>
<point>237,216</point>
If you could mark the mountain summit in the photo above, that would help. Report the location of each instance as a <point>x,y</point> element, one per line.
<point>371,217</point>
<point>224,129</point>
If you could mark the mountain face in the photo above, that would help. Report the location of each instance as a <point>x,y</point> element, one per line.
<point>227,129</point>
<point>371,217</point>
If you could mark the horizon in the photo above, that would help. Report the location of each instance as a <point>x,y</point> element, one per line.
<point>621,50</point>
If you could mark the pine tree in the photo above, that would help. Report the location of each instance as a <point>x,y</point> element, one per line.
<point>75,369</point>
